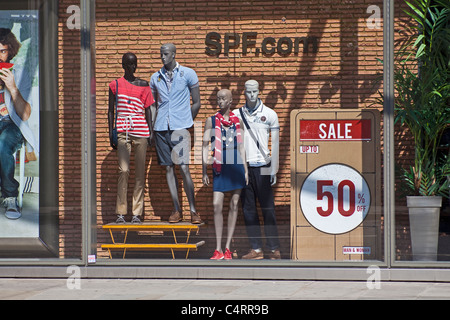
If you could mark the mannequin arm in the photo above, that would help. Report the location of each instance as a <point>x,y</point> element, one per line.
<point>205,150</point>
<point>111,107</point>
<point>196,103</point>
<point>275,134</point>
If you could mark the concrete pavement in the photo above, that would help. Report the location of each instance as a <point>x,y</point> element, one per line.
<point>223,290</point>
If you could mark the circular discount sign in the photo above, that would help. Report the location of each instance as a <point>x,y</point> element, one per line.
<point>335,198</point>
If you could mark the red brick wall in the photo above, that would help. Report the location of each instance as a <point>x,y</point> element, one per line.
<point>69,136</point>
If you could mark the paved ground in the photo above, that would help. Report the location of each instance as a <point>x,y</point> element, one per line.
<point>217,290</point>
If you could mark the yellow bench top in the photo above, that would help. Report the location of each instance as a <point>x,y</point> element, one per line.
<point>174,246</point>
<point>156,226</point>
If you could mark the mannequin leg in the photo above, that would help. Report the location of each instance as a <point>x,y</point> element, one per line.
<point>140,148</point>
<point>123,153</point>
<point>172,183</point>
<point>218,218</point>
<point>188,186</point>
<point>232,216</point>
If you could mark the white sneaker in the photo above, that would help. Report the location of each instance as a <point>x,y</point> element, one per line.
<point>12,208</point>
<point>120,219</point>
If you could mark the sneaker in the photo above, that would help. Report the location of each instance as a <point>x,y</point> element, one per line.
<point>12,208</point>
<point>120,219</point>
<point>228,255</point>
<point>175,217</point>
<point>136,220</point>
<point>274,254</point>
<point>217,255</point>
<point>253,255</point>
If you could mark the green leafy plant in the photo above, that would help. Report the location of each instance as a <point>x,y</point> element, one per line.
<point>422,102</point>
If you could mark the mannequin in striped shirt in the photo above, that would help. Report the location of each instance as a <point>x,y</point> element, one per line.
<point>134,127</point>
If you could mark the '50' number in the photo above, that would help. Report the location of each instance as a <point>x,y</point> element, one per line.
<point>343,185</point>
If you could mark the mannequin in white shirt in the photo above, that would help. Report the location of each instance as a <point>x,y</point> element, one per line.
<point>259,121</point>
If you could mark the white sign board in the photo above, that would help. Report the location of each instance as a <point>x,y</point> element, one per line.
<point>335,198</point>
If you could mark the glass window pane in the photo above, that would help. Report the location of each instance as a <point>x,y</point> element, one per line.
<point>315,64</point>
<point>422,133</point>
<point>31,220</point>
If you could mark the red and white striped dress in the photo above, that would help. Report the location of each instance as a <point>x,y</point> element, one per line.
<point>131,104</point>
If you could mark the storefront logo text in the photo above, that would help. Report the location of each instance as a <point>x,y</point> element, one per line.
<point>216,44</point>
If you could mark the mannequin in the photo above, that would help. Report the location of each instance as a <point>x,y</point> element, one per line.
<point>134,126</point>
<point>232,175</point>
<point>174,85</point>
<point>260,122</point>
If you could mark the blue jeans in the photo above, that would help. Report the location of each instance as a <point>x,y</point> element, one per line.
<point>259,188</point>
<point>11,140</point>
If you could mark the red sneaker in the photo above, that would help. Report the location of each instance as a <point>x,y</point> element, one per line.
<point>228,255</point>
<point>217,255</point>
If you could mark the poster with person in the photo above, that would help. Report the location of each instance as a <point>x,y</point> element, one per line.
<point>19,123</point>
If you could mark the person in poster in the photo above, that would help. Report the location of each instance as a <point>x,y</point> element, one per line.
<point>15,110</point>
<point>224,131</point>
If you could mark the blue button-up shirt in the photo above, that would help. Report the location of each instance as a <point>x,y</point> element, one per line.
<point>174,98</point>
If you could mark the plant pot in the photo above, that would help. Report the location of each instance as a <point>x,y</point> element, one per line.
<point>424,225</point>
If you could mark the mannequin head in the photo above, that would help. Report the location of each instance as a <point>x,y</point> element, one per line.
<point>251,92</point>
<point>168,52</point>
<point>129,63</point>
<point>224,100</point>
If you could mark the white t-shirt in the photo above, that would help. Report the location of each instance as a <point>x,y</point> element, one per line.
<point>261,121</point>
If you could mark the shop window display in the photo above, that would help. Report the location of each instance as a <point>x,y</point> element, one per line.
<point>300,62</point>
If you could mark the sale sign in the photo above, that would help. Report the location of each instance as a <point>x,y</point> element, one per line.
<point>335,130</point>
<point>335,198</point>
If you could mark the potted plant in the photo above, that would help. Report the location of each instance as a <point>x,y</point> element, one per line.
<point>421,81</point>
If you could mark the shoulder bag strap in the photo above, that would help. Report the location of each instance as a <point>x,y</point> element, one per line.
<point>117,94</point>
<point>213,130</point>
<point>251,133</point>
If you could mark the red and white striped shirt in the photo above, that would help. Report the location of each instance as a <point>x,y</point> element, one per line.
<point>131,104</point>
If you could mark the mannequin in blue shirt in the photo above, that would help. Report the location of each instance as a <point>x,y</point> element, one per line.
<point>173,87</point>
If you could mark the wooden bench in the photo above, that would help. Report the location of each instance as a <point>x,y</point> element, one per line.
<point>153,226</point>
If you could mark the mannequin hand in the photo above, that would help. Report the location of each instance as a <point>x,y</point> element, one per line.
<point>205,180</point>
<point>151,138</point>
<point>273,179</point>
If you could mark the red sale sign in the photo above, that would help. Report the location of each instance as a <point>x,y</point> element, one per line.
<point>335,130</point>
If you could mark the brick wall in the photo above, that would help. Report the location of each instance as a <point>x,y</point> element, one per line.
<point>69,137</point>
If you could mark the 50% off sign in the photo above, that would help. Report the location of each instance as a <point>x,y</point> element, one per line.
<point>335,198</point>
